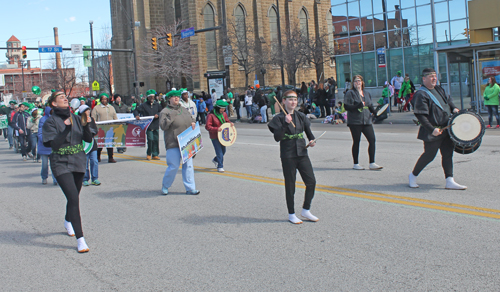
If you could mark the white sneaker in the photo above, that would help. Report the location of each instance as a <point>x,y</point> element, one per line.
<point>358,167</point>
<point>292,218</point>
<point>69,228</point>
<point>412,181</point>
<point>82,245</point>
<point>220,169</point>
<point>215,162</point>
<point>452,185</point>
<point>307,214</point>
<point>374,166</point>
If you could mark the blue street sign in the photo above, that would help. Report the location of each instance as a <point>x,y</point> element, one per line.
<point>381,57</point>
<point>188,32</point>
<point>50,49</point>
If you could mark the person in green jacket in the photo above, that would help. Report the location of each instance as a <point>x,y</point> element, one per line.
<point>491,100</point>
<point>272,101</point>
<point>405,92</point>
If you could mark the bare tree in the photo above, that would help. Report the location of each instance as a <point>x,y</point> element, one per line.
<point>167,62</point>
<point>245,50</point>
<point>64,78</point>
<point>292,56</point>
<point>104,74</point>
<point>317,51</point>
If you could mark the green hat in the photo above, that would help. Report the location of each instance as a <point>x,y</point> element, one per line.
<point>221,103</point>
<point>26,104</point>
<point>150,92</point>
<point>103,94</point>
<point>82,98</point>
<point>399,73</point>
<point>12,102</point>
<point>173,93</point>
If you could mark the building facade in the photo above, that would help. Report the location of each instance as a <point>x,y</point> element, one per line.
<point>256,22</point>
<point>416,34</point>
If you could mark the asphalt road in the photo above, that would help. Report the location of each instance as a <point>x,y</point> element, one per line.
<point>374,233</point>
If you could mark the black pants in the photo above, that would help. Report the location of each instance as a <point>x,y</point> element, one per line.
<point>110,153</point>
<point>201,118</point>
<point>446,146</point>
<point>492,111</point>
<point>71,184</point>
<point>356,131</point>
<point>304,166</point>
<point>238,116</point>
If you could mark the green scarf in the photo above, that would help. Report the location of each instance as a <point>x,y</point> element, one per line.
<point>220,117</point>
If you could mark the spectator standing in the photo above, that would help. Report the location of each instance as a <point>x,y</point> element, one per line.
<point>104,112</point>
<point>491,100</point>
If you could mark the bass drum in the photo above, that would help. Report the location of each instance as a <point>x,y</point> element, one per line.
<point>466,130</point>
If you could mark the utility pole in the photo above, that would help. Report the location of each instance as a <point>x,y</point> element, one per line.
<point>224,32</point>
<point>92,46</point>
<point>279,46</point>
<point>134,52</point>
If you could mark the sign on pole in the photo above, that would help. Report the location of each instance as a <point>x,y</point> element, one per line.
<point>95,86</point>
<point>76,49</point>
<point>188,32</point>
<point>87,61</point>
<point>227,51</point>
<point>381,57</point>
<point>50,49</point>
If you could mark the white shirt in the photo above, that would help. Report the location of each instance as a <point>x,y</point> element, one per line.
<point>397,81</point>
<point>190,105</point>
<point>248,100</point>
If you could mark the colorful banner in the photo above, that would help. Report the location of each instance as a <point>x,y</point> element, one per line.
<point>123,133</point>
<point>190,142</point>
<point>3,122</point>
<point>125,116</point>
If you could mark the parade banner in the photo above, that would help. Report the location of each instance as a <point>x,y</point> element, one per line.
<point>190,142</point>
<point>123,133</point>
<point>3,122</point>
<point>125,116</point>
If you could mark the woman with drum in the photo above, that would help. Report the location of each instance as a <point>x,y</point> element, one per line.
<point>358,104</point>
<point>175,119</point>
<point>214,122</point>
<point>64,132</point>
<point>491,100</point>
<point>433,109</point>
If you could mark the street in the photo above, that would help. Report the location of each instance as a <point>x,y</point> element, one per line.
<point>374,232</point>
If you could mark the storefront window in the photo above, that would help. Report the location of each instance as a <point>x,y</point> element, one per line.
<point>381,40</point>
<point>355,42</point>
<point>382,78</point>
<point>457,29</point>
<point>424,15</point>
<point>441,10</point>
<point>442,68</point>
<point>370,74</point>
<point>458,9</point>
<point>412,62</point>
<point>424,34</point>
<point>443,33</point>
<point>407,3</point>
<point>366,7</point>
<point>368,42</point>
<point>395,61</point>
<point>426,57</point>
<point>343,70</point>
<point>341,46</point>
<point>395,38</point>
<point>379,22</point>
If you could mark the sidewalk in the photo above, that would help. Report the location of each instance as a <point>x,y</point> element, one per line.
<point>394,118</point>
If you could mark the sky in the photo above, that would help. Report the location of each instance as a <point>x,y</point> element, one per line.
<point>33,20</point>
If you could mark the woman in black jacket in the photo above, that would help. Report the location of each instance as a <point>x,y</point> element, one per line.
<point>359,106</point>
<point>64,133</point>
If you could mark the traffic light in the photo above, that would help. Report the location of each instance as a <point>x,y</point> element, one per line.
<point>154,44</point>
<point>466,32</point>
<point>169,39</point>
<point>359,46</point>
<point>25,54</point>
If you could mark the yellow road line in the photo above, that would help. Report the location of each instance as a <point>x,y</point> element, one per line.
<point>381,197</point>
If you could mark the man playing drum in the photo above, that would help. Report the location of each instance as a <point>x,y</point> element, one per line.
<point>433,109</point>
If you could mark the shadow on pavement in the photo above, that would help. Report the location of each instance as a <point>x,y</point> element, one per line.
<point>201,220</point>
<point>399,188</point>
<point>141,194</point>
<point>31,239</point>
<point>24,184</point>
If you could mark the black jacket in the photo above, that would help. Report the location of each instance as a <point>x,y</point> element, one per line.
<point>353,102</point>
<point>290,148</point>
<point>19,122</point>
<point>431,115</point>
<point>147,109</point>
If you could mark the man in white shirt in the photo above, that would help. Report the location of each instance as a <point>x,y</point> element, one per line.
<point>214,97</point>
<point>396,81</point>
<point>186,102</point>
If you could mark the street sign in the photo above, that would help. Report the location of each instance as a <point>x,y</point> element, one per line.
<point>77,49</point>
<point>95,86</point>
<point>227,51</point>
<point>381,57</point>
<point>50,49</point>
<point>188,32</point>
<point>228,61</point>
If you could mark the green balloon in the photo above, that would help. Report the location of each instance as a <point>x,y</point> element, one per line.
<point>36,90</point>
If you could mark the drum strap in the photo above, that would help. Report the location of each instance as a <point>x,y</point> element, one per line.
<point>434,99</point>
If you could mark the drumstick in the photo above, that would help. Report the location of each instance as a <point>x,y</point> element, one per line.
<point>442,129</point>
<point>283,109</point>
<point>313,141</point>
